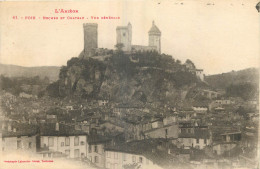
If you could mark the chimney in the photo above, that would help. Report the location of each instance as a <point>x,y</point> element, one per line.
<point>57,127</point>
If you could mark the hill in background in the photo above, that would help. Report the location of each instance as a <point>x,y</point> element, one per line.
<point>52,72</point>
<point>224,80</point>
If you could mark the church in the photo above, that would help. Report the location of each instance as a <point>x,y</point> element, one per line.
<point>124,36</point>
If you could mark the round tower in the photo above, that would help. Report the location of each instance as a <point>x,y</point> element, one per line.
<point>155,37</point>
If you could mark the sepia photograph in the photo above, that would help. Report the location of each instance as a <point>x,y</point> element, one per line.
<point>120,84</point>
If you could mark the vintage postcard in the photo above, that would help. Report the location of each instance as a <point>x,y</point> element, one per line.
<point>122,84</point>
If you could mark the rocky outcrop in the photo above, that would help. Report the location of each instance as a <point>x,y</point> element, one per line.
<point>122,80</point>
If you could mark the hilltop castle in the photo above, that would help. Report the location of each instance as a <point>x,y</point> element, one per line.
<point>123,36</point>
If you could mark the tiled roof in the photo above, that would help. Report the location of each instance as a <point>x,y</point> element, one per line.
<point>21,130</point>
<point>95,139</point>
<point>198,133</point>
<point>147,148</point>
<point>154,30</point>
<point>64,130</point>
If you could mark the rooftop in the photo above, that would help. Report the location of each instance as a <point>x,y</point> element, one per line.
<point>154,29</point>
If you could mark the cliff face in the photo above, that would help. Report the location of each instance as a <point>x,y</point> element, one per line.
<point>136,78</point>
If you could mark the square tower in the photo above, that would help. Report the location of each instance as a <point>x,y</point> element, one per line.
<point>124,36</point>
<point>90,38</point>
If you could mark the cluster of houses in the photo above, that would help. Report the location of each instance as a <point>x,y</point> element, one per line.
<point>123,136</point>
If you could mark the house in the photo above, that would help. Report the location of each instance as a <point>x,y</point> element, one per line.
<point>194,136</point>
<point>63,138</point>
<point>224,102</point>
<point>103,102</point>
<point>122,109</point>
<point>210,94</point>
<point>168,131</point>
<point>95,149</point>
<point>231,136</point>
<point>198,108</point>
<point>118,159</point>
<point>110,126</point>
<point>19,138</point>
<point>185,116</point>
<point>222,147</point>
<point>143,154</point>
<point>152,128</point>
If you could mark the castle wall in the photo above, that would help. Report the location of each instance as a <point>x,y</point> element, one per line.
<point>143,48</point>
<point>90,38</point>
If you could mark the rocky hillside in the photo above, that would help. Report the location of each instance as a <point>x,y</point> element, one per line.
<point>132,78</point>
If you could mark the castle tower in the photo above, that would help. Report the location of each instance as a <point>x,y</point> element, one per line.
<point>155,37</point>
<point>90,38</point>
<point>124,36</point>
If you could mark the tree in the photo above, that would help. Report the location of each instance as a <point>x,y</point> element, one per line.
<point>119,46</point>
<point>53,89</point>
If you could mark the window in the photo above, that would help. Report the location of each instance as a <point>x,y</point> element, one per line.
<point>166,131</point>
<point>96,159</point>
<point>140,159</point>
<point>76,141</point>
<point>82,143</point>
<point>67,141</point>
<point>96,149</point>
<point>108,154</point>
<point>116,155</point>
<point>205,141</point>
<point>108,165</point>
<point>189,131</point>
<point>49,154</point>
<point>115,166</point>
<point>197,141</point>
<point>89,149</point>
<point>67,152</point>
<point>123,34</point>
<point>51,141</point>
<point>124,157</point>
<point>62,144</point>
<point>19,144</point>
<point>133,159</point>
<point>76,153</point>
<point>30,145</point>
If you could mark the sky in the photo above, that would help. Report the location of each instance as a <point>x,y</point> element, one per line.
<point>217,38</point>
